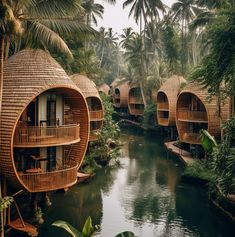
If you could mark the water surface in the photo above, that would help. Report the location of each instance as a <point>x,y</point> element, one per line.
<point>144,195</point>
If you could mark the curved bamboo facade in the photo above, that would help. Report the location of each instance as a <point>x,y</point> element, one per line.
<point>104,88</point>
<point>120,95</point>
<point>135,101</point>
<point>44,126</point>
<point>90,92</point>
<point>195,111</point>
<point>166,100</point>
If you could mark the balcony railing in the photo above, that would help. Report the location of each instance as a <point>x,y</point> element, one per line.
<point>116,96</point>
<point>42,136</point>
<point>94,135</point>
<point>192,116</point>
<point>137,111</point>
<point>135,100</point>
<point>163,121</point>
<point>96,115</point>
<point>48,181</point>
<point>163,106</point>
<point>192,138</point>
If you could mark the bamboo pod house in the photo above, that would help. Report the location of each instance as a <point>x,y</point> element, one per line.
<point>90,92</point>
<point>120,95</point>
<point>135,101</point>
<point>44,126</point>
<point>166,100</point>
<point>104,88</point>
<point>195,111</point>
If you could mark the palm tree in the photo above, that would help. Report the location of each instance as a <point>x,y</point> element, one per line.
<point>126,36</point>
<point>92,10</point>
<point>184,11</point>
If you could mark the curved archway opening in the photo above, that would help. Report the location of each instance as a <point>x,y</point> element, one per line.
<point>191,117</point>
<point>50,140</point>
<point>162,109</point>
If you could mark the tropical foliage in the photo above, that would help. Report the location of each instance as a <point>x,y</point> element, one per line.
<point>88,229</point>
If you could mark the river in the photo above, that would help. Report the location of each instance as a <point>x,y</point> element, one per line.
<point>144,195</point>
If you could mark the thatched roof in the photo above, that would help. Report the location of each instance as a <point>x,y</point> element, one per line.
<point>86,85</point>
<point>104,88</point>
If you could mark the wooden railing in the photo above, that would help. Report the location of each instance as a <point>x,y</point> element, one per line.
<point>137,111</point>
<point>195,116</point>
<point>48,181</point>
<point>116,96</point>
<point>96,115</point>
<point>135,100</point>
<point>163,106</point>
<point>94,134</point>
<point>192,138</point>
<point>30,136</point>
<point>163,121</point>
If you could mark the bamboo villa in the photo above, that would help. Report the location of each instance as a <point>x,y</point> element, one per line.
<point>135,101</point>
<point>166,100</point>
<point>104,88</point>
<point>120,95</point>
<point>94,102</point>
<point>195,111</point>
<point>44,126</point>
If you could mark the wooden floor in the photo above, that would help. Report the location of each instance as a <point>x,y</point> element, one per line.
<point>185,156</point>
<point>24,227</point>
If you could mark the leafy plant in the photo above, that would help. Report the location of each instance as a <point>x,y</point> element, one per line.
<point>5,202</point>
<point>208,142</point>
<point>149,117</point>
<point>88,229</point>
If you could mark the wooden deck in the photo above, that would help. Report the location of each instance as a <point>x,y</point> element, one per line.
<point>185,156</point>
<point>23,227</point>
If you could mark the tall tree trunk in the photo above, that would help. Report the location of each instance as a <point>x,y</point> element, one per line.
<point>142,93</point>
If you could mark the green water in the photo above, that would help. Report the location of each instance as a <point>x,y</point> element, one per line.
<point>143,195</point>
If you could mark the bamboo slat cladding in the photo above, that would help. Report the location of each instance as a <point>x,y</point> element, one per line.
<point>104,88</point>
<point>27,75</point>
<point>166,100</point>
<point>195,110</point>
<point>135,101</point>
<point>91,93</point>
<point>119,91</point>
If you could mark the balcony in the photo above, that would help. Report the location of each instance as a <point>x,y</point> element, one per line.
<point>135,100</point>
<point>116,96</point>
<point>163,106</point>
<point>137,111</point>
<point>163,121</point>
<point>48,181</point>
<point>96,115</point>
<point>191,138</point>
<point>192,116</point>
<point>94,135</point>
<point>43,136</point>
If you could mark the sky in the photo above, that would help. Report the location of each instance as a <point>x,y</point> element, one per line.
<point>117,18</point>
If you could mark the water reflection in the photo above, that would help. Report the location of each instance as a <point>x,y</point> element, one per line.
<point>143,195</point>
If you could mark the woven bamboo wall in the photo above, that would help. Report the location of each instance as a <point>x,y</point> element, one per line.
<point>210,105</point>
<point>123,90</point>
<point>89,90</point>
<point>28,74</point>
<point>131,105</point>
<point>170,89</point>
<point>104,88</point>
